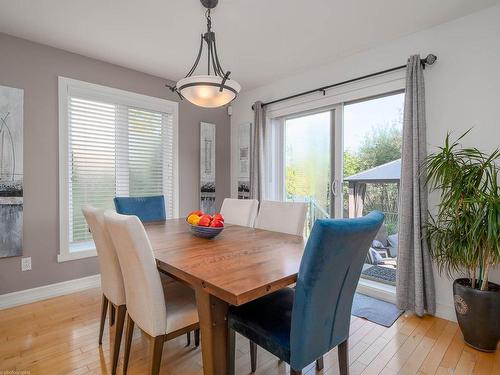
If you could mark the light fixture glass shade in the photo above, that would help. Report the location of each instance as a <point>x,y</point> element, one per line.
<point>204,90</point>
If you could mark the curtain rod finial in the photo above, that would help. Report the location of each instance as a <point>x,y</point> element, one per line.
<point>430,59</point>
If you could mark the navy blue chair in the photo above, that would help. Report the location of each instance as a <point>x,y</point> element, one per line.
<point>147,209</point>
<point>300,325</point>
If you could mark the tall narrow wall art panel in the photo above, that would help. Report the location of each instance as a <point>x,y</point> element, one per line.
<point>11,171</point>
<point>207,168</point>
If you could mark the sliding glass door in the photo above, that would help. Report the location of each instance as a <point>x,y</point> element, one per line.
<point>344,161</point>
<point>372,138</point>
<point>310,167</point>
<point>308,163</point>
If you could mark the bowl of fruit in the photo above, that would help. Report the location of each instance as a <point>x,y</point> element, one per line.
<point>204,225</point>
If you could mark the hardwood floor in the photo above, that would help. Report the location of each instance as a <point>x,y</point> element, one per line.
<point>60,336</point>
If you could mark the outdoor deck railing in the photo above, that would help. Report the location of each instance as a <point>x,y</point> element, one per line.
<point>316,211</point>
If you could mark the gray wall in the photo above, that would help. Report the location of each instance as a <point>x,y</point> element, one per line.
<point>35,68</point>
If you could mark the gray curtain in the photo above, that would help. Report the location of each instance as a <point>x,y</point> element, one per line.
<point>257,149</point>
<point>414,281</point>
<point>357,191</point>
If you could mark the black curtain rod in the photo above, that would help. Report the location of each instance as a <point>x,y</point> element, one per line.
<point>429,60</point>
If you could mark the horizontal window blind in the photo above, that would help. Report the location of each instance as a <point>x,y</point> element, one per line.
<point>116,150</point>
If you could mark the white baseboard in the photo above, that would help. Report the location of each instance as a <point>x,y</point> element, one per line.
<point>446,312</point>
<point>48,291</point>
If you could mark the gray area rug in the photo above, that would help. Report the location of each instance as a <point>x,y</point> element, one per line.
<point>382,274</point>
<point>375,310</point>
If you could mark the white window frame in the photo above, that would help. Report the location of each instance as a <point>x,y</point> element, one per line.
<point>333,100</point>
<point>69,86</point>
<point>366,88</point>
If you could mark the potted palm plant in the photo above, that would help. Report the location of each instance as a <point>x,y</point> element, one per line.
<point>464,235</point>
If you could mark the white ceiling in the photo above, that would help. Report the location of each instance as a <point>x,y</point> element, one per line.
<point>259,41</point>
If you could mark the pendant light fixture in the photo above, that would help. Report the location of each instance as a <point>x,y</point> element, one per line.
<point>214,89</point>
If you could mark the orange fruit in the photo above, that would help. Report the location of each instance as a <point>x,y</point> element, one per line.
<point>193,219</point>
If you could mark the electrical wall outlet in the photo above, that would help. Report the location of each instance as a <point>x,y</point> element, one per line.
<point>26,264</point>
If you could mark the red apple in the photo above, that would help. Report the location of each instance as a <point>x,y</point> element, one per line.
<point>218,216</point>
<point>205,221</point>
<point>217,223</point>
<point>197,212</point>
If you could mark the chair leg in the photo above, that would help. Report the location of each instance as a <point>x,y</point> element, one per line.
<point>112,312</point>
<point>197,337</point>
<point>320,364</point>
<point>295,372</point>
<point>343,358</point>
<point>231,343</point>
<point>253,356</point>
<point>128,343</point>
<point>156,344</point>
<point>120,319</point>
<point>104,309</point>
<point>188,338</point>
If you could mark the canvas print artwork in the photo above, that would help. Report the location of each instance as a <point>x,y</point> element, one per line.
<point>11,172</point>
<point>207,168</point>
<point>244,161</point>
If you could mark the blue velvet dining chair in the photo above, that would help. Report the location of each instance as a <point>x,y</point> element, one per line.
<point>147,209</point>
<point>300,325</point>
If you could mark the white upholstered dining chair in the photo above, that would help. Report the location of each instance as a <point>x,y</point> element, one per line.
<point>239,211</point>
<point>163,314</point>
<point>284,217</point>
<point>113,290</point>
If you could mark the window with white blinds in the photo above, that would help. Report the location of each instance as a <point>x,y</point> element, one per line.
<point>117,144</point>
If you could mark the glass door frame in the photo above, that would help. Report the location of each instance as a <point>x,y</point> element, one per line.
<point>337,161</point>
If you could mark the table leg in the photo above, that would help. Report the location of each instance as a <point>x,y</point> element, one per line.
<point>212,313</point>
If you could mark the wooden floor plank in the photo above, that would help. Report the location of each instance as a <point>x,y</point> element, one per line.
<point>453,352</point>
<point>372,351</point>
<point>357,368</point>
<point>406,350</point>
<point>385,355</point>
<point>59,336</point>
<point>416,359</point>
<point>465,364</point>
<point>484,364</point>
<point>433,359</point>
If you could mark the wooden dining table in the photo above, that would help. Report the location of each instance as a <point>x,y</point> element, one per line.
<point>238,266</point>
